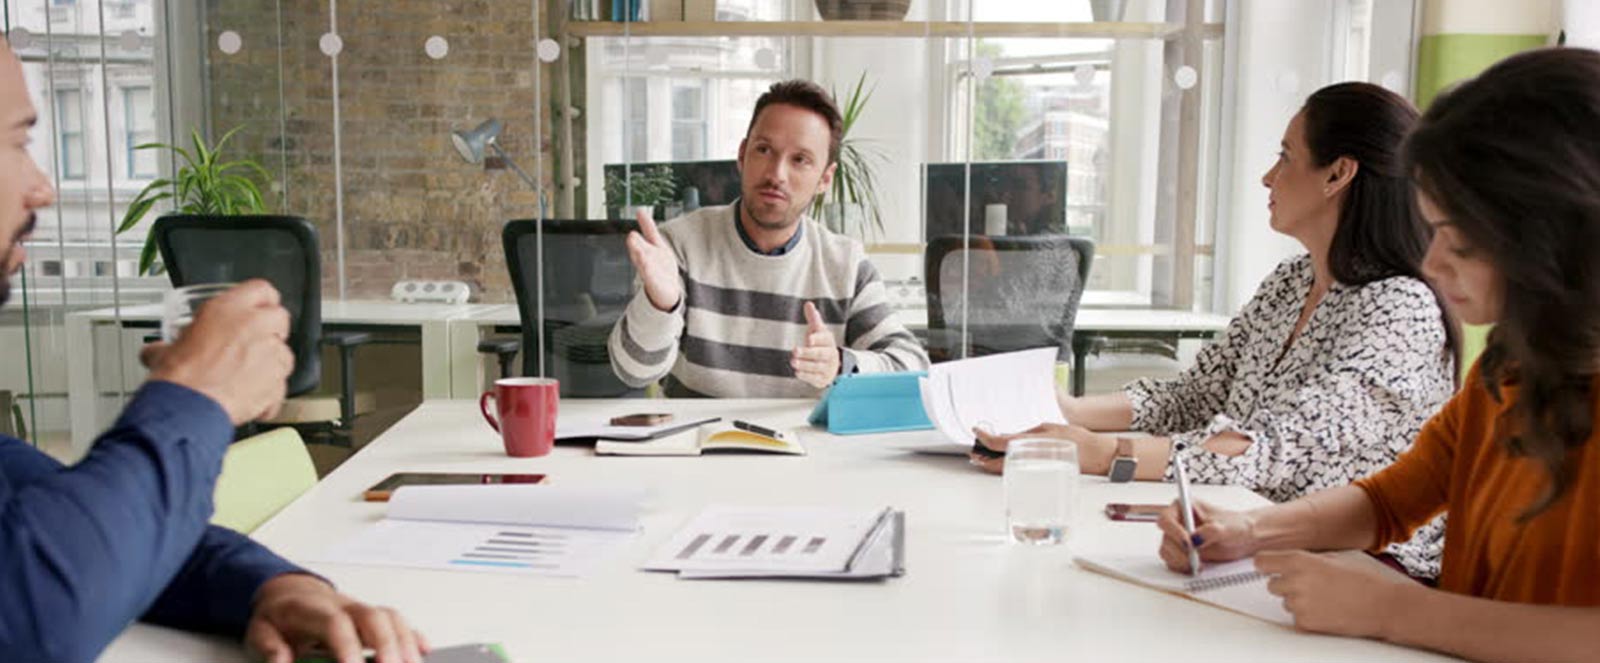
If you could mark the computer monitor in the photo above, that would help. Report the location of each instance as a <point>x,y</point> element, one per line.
<point>1034,193</point>
<point>717,180</point>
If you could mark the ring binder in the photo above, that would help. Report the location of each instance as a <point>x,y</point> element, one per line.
<point>1219,582</point>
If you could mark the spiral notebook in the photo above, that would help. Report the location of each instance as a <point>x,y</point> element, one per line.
<point>1235,586</point>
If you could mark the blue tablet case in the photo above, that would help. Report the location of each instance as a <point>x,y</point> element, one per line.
<point>872,403</point>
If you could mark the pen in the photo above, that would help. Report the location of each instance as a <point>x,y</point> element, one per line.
<point>758,430</point>
<point>1188,517</point>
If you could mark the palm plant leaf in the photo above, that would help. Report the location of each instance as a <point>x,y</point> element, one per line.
<point>855,183</point>
<point>203,184</point>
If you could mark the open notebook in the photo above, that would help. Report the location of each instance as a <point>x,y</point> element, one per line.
<point>1236,586</point>
<point>735,436</point>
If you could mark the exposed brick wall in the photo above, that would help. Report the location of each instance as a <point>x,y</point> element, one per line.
<point>412,208</point>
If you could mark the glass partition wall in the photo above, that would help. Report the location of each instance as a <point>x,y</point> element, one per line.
<point>992,132</point>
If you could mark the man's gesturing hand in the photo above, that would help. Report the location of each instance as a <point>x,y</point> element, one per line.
<point>817,361</point>
<point>656,264</point>
<point>234,352</point>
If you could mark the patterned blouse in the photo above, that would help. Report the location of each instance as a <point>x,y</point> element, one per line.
<point>1352,392</point>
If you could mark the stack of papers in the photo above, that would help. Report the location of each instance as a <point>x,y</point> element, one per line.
<point>498,528</point>
<point>1004,393</point>
<point>793,542</point>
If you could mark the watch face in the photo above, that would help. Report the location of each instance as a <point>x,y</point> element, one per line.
<point>1122,469</point>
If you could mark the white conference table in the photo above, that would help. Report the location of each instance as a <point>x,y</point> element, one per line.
<point>467,375</point>
<point>430,319</point>
<point>968,595</point>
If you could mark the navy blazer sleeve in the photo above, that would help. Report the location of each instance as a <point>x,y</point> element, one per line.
<point>86,550</point>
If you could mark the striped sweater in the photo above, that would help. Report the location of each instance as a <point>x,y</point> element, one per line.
<point>743,313</point>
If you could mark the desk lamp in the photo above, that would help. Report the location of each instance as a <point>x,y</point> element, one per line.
<point>471,145</point>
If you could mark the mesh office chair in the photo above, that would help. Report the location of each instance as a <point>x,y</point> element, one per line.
<point>588,282</point>
<point>282,250</point>
<point>1024,292</point>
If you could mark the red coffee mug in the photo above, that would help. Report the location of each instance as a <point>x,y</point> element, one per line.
<point>524,414</point>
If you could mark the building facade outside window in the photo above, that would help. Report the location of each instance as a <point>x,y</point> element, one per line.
<point>139,128</point>
<point>69,134</point>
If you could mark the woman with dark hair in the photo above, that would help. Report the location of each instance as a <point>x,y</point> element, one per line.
<point>1508,173</point>
<point>1329,371</point>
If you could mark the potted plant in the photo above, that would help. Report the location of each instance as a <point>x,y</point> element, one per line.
<point>851,203</point>
<point>652,186</point>
<point>863,10</point>
<point>204,184</point>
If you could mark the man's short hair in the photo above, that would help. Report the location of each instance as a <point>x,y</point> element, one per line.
<point>805,94</point>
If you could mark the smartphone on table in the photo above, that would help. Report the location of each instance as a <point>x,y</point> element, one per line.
<point>642,419</point>
<point>383,490</point>
<point>1142,513</point>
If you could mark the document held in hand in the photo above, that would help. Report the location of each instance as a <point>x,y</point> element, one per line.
<point>786,542</point>
<point>526,529</point>
<point>1004,393</point>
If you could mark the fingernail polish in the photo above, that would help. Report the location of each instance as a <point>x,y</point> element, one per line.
<point>1195,540</point>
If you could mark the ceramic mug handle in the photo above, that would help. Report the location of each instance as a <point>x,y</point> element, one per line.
<point>488,412</point>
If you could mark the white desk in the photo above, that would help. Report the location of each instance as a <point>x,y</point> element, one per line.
<point>431,319</point>
<point>467,375</point>
<point>968,595</point>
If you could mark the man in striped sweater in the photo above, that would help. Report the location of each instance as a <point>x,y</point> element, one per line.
<point>752,299</point>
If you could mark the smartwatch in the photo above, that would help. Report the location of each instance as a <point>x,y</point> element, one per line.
<point>1124,463</point>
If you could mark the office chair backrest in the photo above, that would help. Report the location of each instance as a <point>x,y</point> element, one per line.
<point>1024,291</point>
<point>283,250</point>
<point>588,281</point>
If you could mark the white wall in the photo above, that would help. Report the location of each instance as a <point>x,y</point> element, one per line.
<point>1284,54</point>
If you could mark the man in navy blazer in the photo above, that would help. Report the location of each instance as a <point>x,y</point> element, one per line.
<point>123,535</point>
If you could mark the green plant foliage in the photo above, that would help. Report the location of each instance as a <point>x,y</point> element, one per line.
<point>204,184</point>
<point>1001,112</point>
<point>855,182</point>
<point>651,186</point>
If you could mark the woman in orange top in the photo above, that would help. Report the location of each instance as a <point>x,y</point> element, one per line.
<point>1508,173</point>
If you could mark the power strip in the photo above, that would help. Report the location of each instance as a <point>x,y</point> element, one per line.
<point>447,292</point>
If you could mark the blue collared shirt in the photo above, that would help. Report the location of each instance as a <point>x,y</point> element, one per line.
<point>123,535</point>
<point>738,224</point>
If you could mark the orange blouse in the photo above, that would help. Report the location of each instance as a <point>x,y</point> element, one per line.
<point>1458,465</point>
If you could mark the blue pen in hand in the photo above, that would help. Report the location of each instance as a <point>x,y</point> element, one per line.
<point>1188,518</point>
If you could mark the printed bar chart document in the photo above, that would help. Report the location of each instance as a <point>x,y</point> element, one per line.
<point>537,530</point>
<point>751,542</point>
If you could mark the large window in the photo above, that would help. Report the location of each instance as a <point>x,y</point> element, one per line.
<point>69,134</point>
<point>677,99</point>
<point>139,128</point>
<point>689,120</point>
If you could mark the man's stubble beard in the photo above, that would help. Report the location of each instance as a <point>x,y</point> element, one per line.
<point>796,211</point>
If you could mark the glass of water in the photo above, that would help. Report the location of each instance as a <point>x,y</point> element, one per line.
<point>1041,480</point>
<point>179,306</point>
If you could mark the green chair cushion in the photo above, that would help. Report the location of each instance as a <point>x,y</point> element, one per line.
<point>260,476</point>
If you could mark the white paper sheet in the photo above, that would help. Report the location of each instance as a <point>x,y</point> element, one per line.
<point>539,530</point>
<point>767,539</point>
<point>554,551</point>
<point>1004,393</point>
<point>1232,585</point>
<point>527,505</point>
